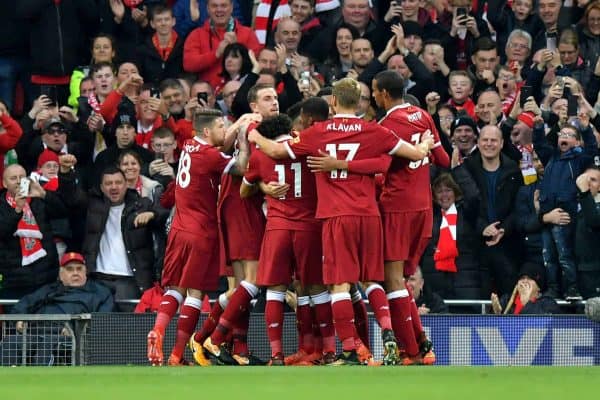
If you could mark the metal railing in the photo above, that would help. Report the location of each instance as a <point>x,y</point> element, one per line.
<point>482,304</point>
<point>43,339</point>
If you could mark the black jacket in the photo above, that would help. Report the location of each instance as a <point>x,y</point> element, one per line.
<point>44,270</point>
<point>471,178</point>
<point>433,301</point>
<point>80,143</point>
<point>588,234</point>
<point>138,241</point>
<point>56,298</point>
<point>466,282</point>
<point>543,305</point>
<point>58,33</point>
<point>529,225</point>
<point>152,67</point>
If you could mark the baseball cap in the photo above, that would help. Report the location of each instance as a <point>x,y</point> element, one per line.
<point>53,121</point>
<point>462,120</point>
<point>71,256</point>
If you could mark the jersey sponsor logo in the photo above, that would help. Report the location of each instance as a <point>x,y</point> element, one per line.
<point>414,117</point>
<point>192,148</point>
<point>339,127</point>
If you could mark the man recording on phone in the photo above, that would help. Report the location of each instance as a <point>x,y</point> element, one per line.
<point>27,250</point>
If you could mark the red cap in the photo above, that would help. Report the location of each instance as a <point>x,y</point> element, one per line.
<point>46,156</point>
<point>527,118</point>
<point>71,256</point>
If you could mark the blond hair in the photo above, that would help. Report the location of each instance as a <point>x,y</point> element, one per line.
<point>347,92</point>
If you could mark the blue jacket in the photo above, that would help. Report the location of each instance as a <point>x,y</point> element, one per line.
<point>558,187</point>
<point>184,23</point>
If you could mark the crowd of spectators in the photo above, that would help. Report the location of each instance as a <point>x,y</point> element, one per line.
<point>97,97</point>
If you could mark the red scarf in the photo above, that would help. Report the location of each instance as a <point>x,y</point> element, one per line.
<point>164,52</point>
<point>28,233</point>
<point>138,185</point>
<point>519,306</point>
<point>446,251</point>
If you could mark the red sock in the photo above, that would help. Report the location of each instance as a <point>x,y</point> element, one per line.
<point>188,318</point>
<point>240,333</point>
<point>274,320</point>
<point>166,310</point>
<point>341,305</point>
<point>238,304</point>
<point>380,306</point>
<point>210,323</point>
<point>361,320</point>
<point>414,314</point>
<point>324,319</point>
<point>402,321</point>
<point>304,320</point>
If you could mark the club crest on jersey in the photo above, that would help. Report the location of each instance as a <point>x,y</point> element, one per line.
<point>341,127</point>
<point>414,117</point>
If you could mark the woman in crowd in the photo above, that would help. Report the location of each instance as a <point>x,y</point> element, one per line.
<point>236,64</point>
<point>450,263</point>
<point>340,60</point>
<point>103,50</point>
<point>131,165</point>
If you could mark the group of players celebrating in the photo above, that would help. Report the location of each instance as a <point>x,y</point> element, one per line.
<point>319,180</point>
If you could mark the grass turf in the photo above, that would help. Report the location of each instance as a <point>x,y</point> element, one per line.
<point>145,383</point>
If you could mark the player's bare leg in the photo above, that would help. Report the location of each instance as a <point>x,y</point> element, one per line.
<point>188,319</point>
<point>379,304</point>
<point>343,315</point>
<point>169,304</point>
<point>274,322</point>
<point>399,302</point>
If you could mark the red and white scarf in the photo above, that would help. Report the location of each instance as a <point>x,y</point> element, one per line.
<point>446,251</point>
<point>283,10</point>
<point>262,17</point>
<point>28,233</point>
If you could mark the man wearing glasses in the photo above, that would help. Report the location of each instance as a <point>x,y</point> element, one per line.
<point>163,168</point>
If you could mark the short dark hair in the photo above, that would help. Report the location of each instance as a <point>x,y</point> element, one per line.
<point>446,179</point>
<point>391,82</point>
<point>159,8</point>
<point>253,92</point>
<point>206,118</point>
<point>163,132</point>
<point>170,83</point>
<point>316,108</point>
<point>99,65</point>
<point>131,153</point>
<point>484,44</point>
<point>111,170</point>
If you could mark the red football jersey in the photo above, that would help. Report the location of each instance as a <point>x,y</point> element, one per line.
<point>345,136</point>
<point>407,183</point>
<point>230,185</point>
<point>197,187</point>
<point>295,210</point>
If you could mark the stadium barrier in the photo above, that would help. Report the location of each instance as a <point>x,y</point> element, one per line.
<point>43,340</point>
<point>120,339</point>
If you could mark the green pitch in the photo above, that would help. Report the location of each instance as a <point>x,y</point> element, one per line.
<point>285,383</point>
